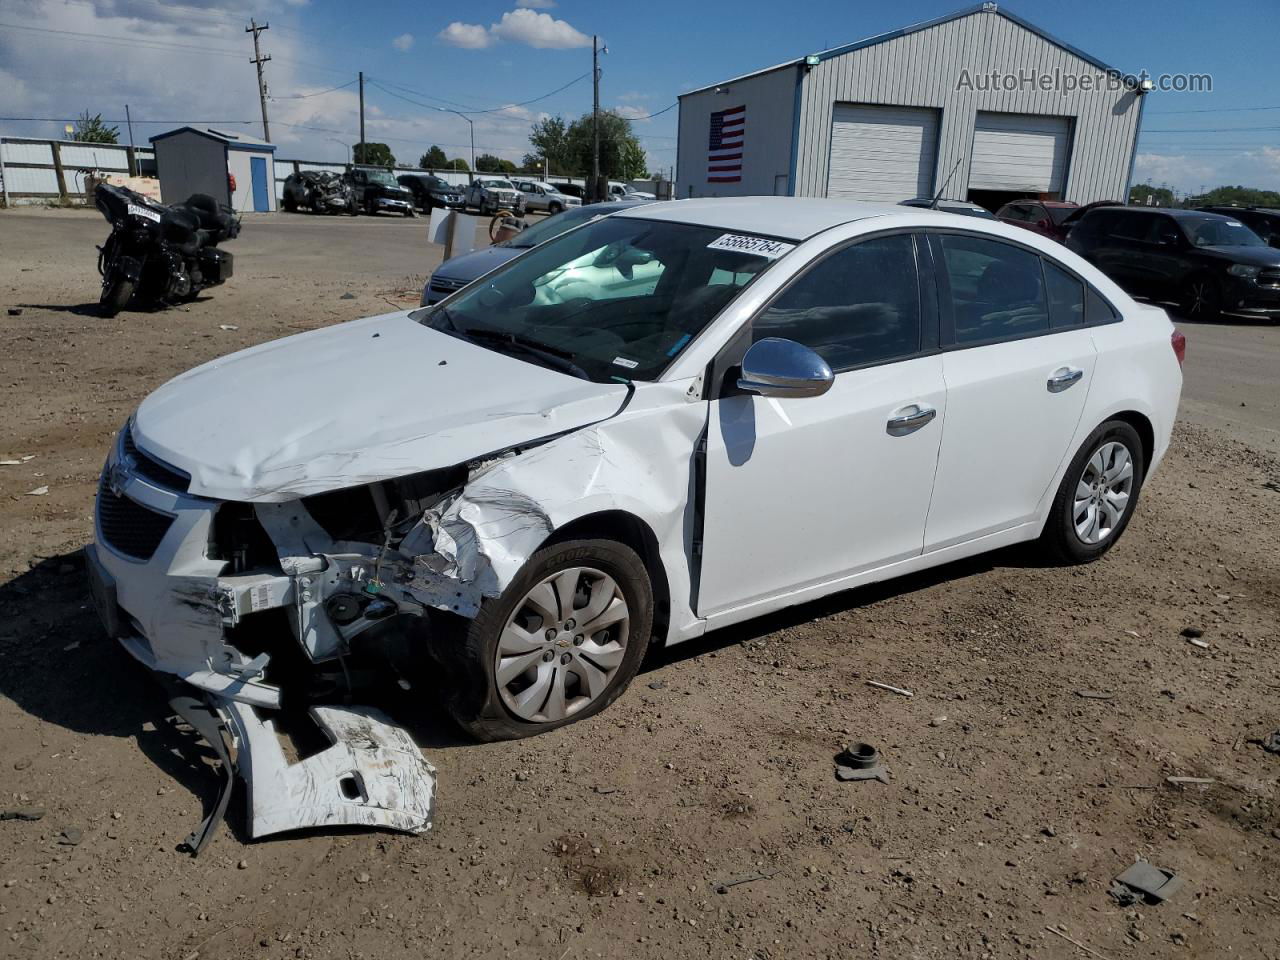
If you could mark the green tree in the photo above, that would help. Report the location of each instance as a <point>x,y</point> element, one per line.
<point>457,163</point>
<point>1141,192</point>
<point>488,163</point>
<point>550,141</point>
<point>92,130</point>
<point>374,154</point>
<point>433,159</point>
<point>568,147</point>
<point>1240,197</point>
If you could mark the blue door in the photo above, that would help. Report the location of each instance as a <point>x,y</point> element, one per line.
<point>258,172</point>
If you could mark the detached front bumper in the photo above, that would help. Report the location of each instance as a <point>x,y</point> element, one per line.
<point>387,203</point>
<point>159,592</point>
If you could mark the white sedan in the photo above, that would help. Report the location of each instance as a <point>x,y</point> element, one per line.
<point>735,406</point>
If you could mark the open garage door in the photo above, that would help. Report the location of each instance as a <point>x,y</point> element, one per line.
<point>1020,153</point>
<point>882,153</point>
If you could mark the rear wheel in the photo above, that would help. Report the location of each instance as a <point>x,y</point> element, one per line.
<point>1097,496</point>
<point>116,293</point>
<point>554,208</point>
<point>561,643</point>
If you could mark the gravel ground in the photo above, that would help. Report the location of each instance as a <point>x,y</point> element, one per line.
<point>1012,799</point>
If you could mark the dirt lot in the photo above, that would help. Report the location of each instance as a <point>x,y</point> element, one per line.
<point>1013,799</point>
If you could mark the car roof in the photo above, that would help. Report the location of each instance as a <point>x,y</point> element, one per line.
<point>1176,213</point>
<point>795,218</point>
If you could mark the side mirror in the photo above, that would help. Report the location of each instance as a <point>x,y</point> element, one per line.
<point>774,367</point>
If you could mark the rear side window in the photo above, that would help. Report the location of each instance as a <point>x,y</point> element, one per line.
<point>1131,226</point>
<point>1066,297</point>
<point>1097,310</point>
<point>997,289</point>
<point>860,305</point>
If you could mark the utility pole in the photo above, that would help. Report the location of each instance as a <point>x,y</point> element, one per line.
<point>258,60</point>
<point>128,119</point>
<point>595,191</point>
<point>363,148</point>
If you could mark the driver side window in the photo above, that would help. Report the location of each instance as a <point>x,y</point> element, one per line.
<point>858,306</point>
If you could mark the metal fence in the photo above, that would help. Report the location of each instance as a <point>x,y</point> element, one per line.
<point>35,170</point>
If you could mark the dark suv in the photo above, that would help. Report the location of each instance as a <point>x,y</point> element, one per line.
<point>1264,221</point>
<point>431,192</point>
<point>1045,217</point>
<point>1209,264</point>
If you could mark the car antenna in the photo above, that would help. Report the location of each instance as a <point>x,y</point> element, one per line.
<point>933,204</point>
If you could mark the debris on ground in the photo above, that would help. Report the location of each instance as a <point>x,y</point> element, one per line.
<point>1192,633</point>
<point>1144,883</point>
<point>1060,932</point>
<point>1094,694</point>
<point>658,685</point>
<point>724,885</point>
<point>347,296</point>
<point>892,689</point>
<point>860,761</point>
<point>18,462</point>
<point>1197,642</point>
<point>22,813</point>
<point>1270,743</point>
<point>15,311</point>
<point>227,326</point>
<point>38,492</point>
<point>71,837</point>
<point>1190,781</point>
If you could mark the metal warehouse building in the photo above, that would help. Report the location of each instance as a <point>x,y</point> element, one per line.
<point>979,96</point>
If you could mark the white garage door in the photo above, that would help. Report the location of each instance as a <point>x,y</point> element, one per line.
<point>882,153</point>
<point>1013,151</point>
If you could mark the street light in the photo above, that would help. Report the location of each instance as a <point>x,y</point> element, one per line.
<point>473,133</point>
<point>342,144</point>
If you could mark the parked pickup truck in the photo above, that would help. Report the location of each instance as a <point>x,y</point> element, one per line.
<point>491,194</point>
<point>376,189</point>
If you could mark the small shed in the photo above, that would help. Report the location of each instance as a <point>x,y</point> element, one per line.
<point>199,159</point>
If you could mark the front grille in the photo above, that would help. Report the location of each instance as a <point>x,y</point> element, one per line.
<point>158,473</point>
<point>1269,278</point>
<point>127,526</point>
<point>446,284</point>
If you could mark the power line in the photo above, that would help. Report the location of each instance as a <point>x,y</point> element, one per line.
<point>1162,113</point>
<point>472,110</point>
<point>125,41</point>
<point>652,115</point>
<point>321,93</point>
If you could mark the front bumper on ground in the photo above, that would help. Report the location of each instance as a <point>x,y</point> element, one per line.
<point>387,203</point>
<point>159,593</point>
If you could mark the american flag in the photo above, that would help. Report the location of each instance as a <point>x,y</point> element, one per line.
<point>724,150</point>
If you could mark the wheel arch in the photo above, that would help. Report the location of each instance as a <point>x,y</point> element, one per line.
<point>631,531</point>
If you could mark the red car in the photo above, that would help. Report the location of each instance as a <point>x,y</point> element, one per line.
<point>1045,217</point>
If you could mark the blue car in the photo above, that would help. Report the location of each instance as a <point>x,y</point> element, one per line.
<point>457,273</point>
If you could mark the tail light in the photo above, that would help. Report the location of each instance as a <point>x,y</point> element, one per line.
<point>1179,342</point>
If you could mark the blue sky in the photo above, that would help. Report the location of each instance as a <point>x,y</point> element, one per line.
<point>189,62</point>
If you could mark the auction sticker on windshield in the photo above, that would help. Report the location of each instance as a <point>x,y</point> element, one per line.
<point>760,246</point>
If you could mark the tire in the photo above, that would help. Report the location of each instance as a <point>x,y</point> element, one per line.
<point>290,205</point>
<point>1201,298</point>
<point>554,208</point>
<point>1078,498</point>
<point>410,212</point>
<point>115,296</point>
<point>487,709</point>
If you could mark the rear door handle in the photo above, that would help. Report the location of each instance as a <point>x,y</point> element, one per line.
<point>1063,378</point>
<point>911,421</point>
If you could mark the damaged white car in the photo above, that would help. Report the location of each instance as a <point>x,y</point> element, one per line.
<point>667,420</point>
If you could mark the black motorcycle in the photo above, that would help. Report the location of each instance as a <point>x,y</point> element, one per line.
<point>161,253</point>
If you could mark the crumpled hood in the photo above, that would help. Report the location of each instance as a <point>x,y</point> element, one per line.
<point>354,403</point>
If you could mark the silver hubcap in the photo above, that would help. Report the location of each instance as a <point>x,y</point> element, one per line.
<point>562,645</point>
<point>1102,494</point>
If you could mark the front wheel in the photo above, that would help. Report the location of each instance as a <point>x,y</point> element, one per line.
<point>554,208</point>
<point>562,642</point>
<point>116,293</point>
<point>1201,299</point>
<point>1097,496</point>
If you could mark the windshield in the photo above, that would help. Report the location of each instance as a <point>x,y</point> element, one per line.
<point>553,226</point>
<point>1221,233</point>
<point>497,184</point>
<point>614,301</point>
<point>382,178</point>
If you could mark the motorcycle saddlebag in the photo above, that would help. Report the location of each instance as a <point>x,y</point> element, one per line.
<point>215,265</point>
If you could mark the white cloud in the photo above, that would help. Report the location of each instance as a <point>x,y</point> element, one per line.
<point>403,43</point>
<point>539,30</point>
<point>630,112</point>
<point>633,96</point>
<point>468,36</point>
<point>536,4</point>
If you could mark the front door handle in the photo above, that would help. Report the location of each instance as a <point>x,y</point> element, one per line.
<point>1063,378</point>
<point>911,421</point>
